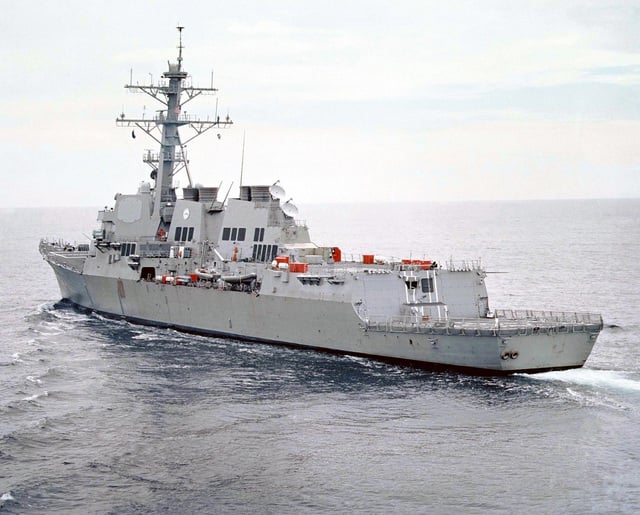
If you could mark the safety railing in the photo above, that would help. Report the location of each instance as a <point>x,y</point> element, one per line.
<point>503,322</point>
<point>547,316</point>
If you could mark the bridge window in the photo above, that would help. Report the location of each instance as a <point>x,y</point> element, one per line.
<point>126,249</point>
<point>264,253</point>
<point>258,234</point>
<point>234,233</point>
<point>427,285</point>
<point>184,233</point>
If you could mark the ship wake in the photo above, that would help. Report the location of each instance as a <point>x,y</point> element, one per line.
<point>602,379</point>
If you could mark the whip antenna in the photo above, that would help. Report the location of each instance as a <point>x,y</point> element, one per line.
<point>242,160</point>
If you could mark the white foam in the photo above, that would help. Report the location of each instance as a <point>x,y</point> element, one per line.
<point>7,497</point>
<point>145,336</point>
<point>596,399</point>
<point>36,396</point>
<point>610,379</point>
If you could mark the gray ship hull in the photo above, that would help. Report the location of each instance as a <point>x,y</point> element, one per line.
<point>245,267</point>
<point>325,325</point>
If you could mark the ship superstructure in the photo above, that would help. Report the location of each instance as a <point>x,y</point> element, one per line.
<point>245,267</point>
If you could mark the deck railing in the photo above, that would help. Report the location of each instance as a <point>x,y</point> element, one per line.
<point>503,322</point>
<point>548,316</point>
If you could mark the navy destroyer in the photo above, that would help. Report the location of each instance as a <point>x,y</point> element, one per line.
<point>246,268</point>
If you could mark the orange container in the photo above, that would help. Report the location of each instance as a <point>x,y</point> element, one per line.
<point>300,268</point>
<point>336,254</point>
<point>282,259</point>
<point>424,264</point>
<point>367,259</point>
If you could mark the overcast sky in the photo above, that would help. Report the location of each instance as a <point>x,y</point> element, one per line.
<point>340,101</point>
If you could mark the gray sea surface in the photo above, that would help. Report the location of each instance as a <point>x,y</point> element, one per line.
<point>104,416</point>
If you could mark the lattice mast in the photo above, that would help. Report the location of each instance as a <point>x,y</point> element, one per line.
<point>173,92</point>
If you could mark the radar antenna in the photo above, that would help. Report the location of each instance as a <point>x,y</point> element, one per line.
<point>242,160</point>
<point>289,208</point>
<point>180,47</point>
<point>173,94</point>
<point>277,191</point>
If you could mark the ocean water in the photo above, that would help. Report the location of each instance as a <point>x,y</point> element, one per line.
<point>103,416</point>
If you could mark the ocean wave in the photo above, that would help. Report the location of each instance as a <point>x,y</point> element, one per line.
<point>630,327</point>
<point>47,329</point>
<point>54,318</point>
<point>595,400</point>
<point>111,320</point>
<point>47,316</point>
<point>36,396</point>
<point>365,362</point>
<point>608,379</point>
<point>6,497</point>
<point>52,372</point>
<point>44,309</point>
<point>17,357</point>
<point>150,336</point>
